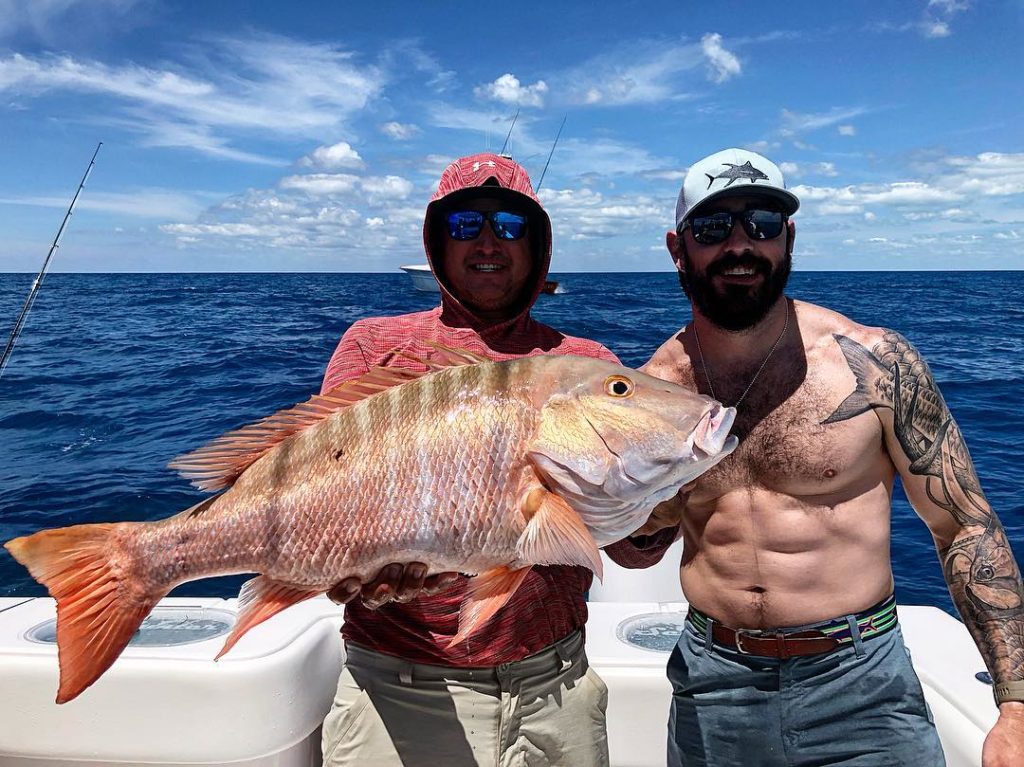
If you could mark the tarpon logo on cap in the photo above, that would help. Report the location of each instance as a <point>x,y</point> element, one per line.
<point>728,167</point>
<point>736,172</point>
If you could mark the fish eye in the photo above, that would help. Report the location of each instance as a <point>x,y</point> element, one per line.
<point>618,386</point>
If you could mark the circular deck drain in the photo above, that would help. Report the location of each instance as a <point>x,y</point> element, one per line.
<point>164,627</point>
<point>657,632</point>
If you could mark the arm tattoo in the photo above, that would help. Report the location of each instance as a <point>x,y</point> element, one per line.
<point>978,565</point>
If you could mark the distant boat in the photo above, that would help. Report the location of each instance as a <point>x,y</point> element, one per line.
<point>423,279</point>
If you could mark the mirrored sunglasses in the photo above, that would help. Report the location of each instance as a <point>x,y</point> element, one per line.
<point>467,224</point>
<point>759,224</point>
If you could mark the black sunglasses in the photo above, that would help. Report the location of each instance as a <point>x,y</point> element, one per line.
<point>759,224</point>
<point>467,224</point>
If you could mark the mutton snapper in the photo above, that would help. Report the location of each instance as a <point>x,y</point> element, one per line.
<point>485,468</point>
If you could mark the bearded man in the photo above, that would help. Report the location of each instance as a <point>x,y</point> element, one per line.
<point>792,652</point>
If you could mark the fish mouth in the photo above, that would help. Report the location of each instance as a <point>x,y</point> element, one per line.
<point>711,438</point>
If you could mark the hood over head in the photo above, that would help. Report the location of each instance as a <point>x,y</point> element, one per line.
<point>489,175</point>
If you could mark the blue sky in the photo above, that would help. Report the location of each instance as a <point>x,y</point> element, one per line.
<point>308,136</point>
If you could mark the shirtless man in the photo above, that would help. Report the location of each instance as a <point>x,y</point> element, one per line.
<point>792,653</point>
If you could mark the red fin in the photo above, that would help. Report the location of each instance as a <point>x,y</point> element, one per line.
<point>447,357</point>
<point>487,593</point>
<point>555,535</point>
<point>263,598</point>
<point>218,464</point>
<point>95,620</point>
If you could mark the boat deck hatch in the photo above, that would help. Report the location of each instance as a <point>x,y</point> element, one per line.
<point>657,632</point>
<point>164,627</point>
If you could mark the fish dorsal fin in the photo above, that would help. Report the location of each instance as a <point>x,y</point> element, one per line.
<point>445,357</point>
<point>219,463</point>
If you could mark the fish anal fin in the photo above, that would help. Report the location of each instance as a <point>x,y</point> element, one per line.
<point>96,614</point>
<point>218,464</point>
<point>262,598</point>
<point>486,594</point>
<point>556,535</point>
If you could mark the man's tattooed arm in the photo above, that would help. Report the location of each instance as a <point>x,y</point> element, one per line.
<point>940,481</point>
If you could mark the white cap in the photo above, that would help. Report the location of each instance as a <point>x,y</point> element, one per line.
<point>729,173</point>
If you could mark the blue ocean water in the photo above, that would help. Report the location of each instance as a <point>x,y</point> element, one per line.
<point>117,374</point>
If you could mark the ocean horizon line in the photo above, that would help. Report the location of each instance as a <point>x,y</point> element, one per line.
<point>397,272</point>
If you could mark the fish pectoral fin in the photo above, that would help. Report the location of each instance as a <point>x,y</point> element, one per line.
<point>555,535</point>
<point>487,593</point>
<point>263,598</point>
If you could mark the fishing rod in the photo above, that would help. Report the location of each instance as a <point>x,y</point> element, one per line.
<point>509,134</point>
<point>34,290</point>
<point>551,153</point>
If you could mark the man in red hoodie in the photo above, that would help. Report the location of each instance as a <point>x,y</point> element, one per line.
<point>521,690</point>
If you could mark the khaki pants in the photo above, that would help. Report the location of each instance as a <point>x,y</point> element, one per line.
<point>545,710</point>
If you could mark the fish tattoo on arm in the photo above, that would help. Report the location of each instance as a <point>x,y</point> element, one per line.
<point>978,565</point>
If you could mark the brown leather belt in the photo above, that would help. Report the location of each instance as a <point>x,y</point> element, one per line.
<point>773,644</point>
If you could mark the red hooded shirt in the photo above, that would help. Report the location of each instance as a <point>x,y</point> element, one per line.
<point>550,602</point>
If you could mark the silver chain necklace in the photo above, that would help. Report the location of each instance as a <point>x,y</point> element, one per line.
<point>707,376</point>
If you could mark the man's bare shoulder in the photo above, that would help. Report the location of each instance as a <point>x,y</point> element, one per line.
<point>819,327</point>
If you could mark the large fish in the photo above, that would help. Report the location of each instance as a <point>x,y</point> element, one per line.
<point>477,467</point>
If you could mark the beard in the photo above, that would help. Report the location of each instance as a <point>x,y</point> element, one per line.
<point>735,307</point>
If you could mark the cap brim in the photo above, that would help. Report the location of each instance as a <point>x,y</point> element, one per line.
<point>495,192</point>
<point>790,202</point>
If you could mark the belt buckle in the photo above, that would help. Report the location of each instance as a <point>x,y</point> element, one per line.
<point>741,634</point>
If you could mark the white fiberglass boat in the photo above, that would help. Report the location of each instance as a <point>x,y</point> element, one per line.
<point>166,702</point>
<point>422,277</point>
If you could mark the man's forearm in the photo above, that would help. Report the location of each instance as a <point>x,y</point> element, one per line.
<point>986,587</point>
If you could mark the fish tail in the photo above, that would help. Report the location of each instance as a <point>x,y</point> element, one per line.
<point>711,179</point>
<point>866,369</point>
<point>99,603</point>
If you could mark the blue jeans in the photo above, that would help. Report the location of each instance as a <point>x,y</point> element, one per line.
<point>861,704</point>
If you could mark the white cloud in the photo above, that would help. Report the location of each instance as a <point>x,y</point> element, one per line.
<point>387,187</point>
<point>321,183</point>
<point>258,85</point>
<point>508,90</point>
<point>334,157</point>
<point>722,65</point>
<point>583,214</point>
<point>794,123</point>
<point>140,203</point>
<point>834,209</point>
<point>939,14</point>
<point>639,72</point>
<point>49,20</point>
<point>399,131</point>
<point>847,130</point>
<point>792,169</point>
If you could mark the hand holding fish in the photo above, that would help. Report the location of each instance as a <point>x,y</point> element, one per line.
<point>667,513</point>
